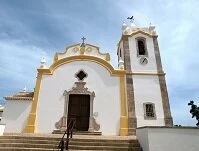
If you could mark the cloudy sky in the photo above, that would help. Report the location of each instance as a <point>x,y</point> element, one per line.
<point>31,29</point>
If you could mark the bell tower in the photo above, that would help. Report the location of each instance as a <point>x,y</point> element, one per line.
<point>146,91</point>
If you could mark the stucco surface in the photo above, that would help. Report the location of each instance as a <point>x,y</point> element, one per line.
<point>106,101</point>
<point>147,90</point>
<point>15,115</point>
<point>172,139</point>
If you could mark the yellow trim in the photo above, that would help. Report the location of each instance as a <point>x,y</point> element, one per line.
<point>141,32</point>
<point>31,123</point>
<point>62,53</point>
<point>55,57</point>
<point>100,61</point>
<point>82,50</point>
<point>98,50</point>
<point>146,73</point>
<point>123,118</point>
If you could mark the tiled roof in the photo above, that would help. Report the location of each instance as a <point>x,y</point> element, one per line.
<point>20,96</point>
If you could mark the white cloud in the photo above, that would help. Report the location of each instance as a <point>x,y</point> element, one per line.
<point>19,62</point>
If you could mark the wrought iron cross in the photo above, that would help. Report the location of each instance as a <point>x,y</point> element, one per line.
<point>83,38</point>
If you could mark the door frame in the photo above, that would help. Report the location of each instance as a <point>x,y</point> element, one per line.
<point>81,90</point>
<point>77,98</point>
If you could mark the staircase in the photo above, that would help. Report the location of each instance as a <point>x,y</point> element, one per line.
<point>49,142</point>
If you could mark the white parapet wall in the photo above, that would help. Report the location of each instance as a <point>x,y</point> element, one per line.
<point>168,138</point>
<point>2,127</point>
<point>15,115</point>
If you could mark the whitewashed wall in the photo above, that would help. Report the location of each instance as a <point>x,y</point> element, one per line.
<point>151,66</point>
<point>147,89</point>
<point>15,115</point>
<point>172,139</point>
<point>1,113</point>
<point>2,128</point>
<point>106,102</point>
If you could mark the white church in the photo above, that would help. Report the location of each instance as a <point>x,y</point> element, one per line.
<point>82,85</point>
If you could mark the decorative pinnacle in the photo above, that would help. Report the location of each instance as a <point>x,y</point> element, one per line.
<point>24,89</point>
<point>43,62</point>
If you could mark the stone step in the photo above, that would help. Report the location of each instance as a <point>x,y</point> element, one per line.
<point>38,149</point>
<point>72,139</point>
<point>25,149</point>
<point>71,148</point>
<point>50,143</point>
<point>114,148</point>
<point>78,132</point>
<point>42,142</point>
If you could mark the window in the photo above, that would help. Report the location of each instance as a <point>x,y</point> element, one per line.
<point>120,53</point>
<point>141,46</point>
<point>81,75</point>
<point>149,111</point>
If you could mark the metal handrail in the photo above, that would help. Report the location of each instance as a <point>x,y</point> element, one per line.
<point>69,132</point>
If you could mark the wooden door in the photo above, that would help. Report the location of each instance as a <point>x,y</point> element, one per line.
<point>79,109</point>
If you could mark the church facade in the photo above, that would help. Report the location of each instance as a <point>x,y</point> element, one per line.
<point>82,85</point>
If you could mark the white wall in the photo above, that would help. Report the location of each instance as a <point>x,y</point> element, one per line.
<point>1,113</point>
<point>147,89</point>
<point>151,66</point>
<point>15,115</point>
<point>2,127</point>
<point>106,102</point>
<point>172,139</point>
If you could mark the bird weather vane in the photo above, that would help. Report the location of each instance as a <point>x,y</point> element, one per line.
<point>131,18</point>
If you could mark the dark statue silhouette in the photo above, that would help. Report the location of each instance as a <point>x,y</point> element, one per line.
<point>194,111</point>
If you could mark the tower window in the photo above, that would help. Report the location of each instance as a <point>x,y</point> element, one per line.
<point>149,111</point>
<point>120,53</point>
<point>141,46</point>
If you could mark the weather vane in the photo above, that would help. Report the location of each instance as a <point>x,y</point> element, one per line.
<point>131,18</point>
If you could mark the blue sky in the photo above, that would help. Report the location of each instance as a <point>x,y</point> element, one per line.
<point>31,29</point>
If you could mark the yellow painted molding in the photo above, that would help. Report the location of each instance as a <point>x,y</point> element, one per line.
<point>123,96</point>
<point>123,126</point>
<point>141,32</point>
<point>82,50</point>
<point>108,58</point>
<point>104,63</point>
<point>62,53</point>
<point>123,118</point>
<point>31,122</point>
<point>146,73</point>
<point>55,57</point>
